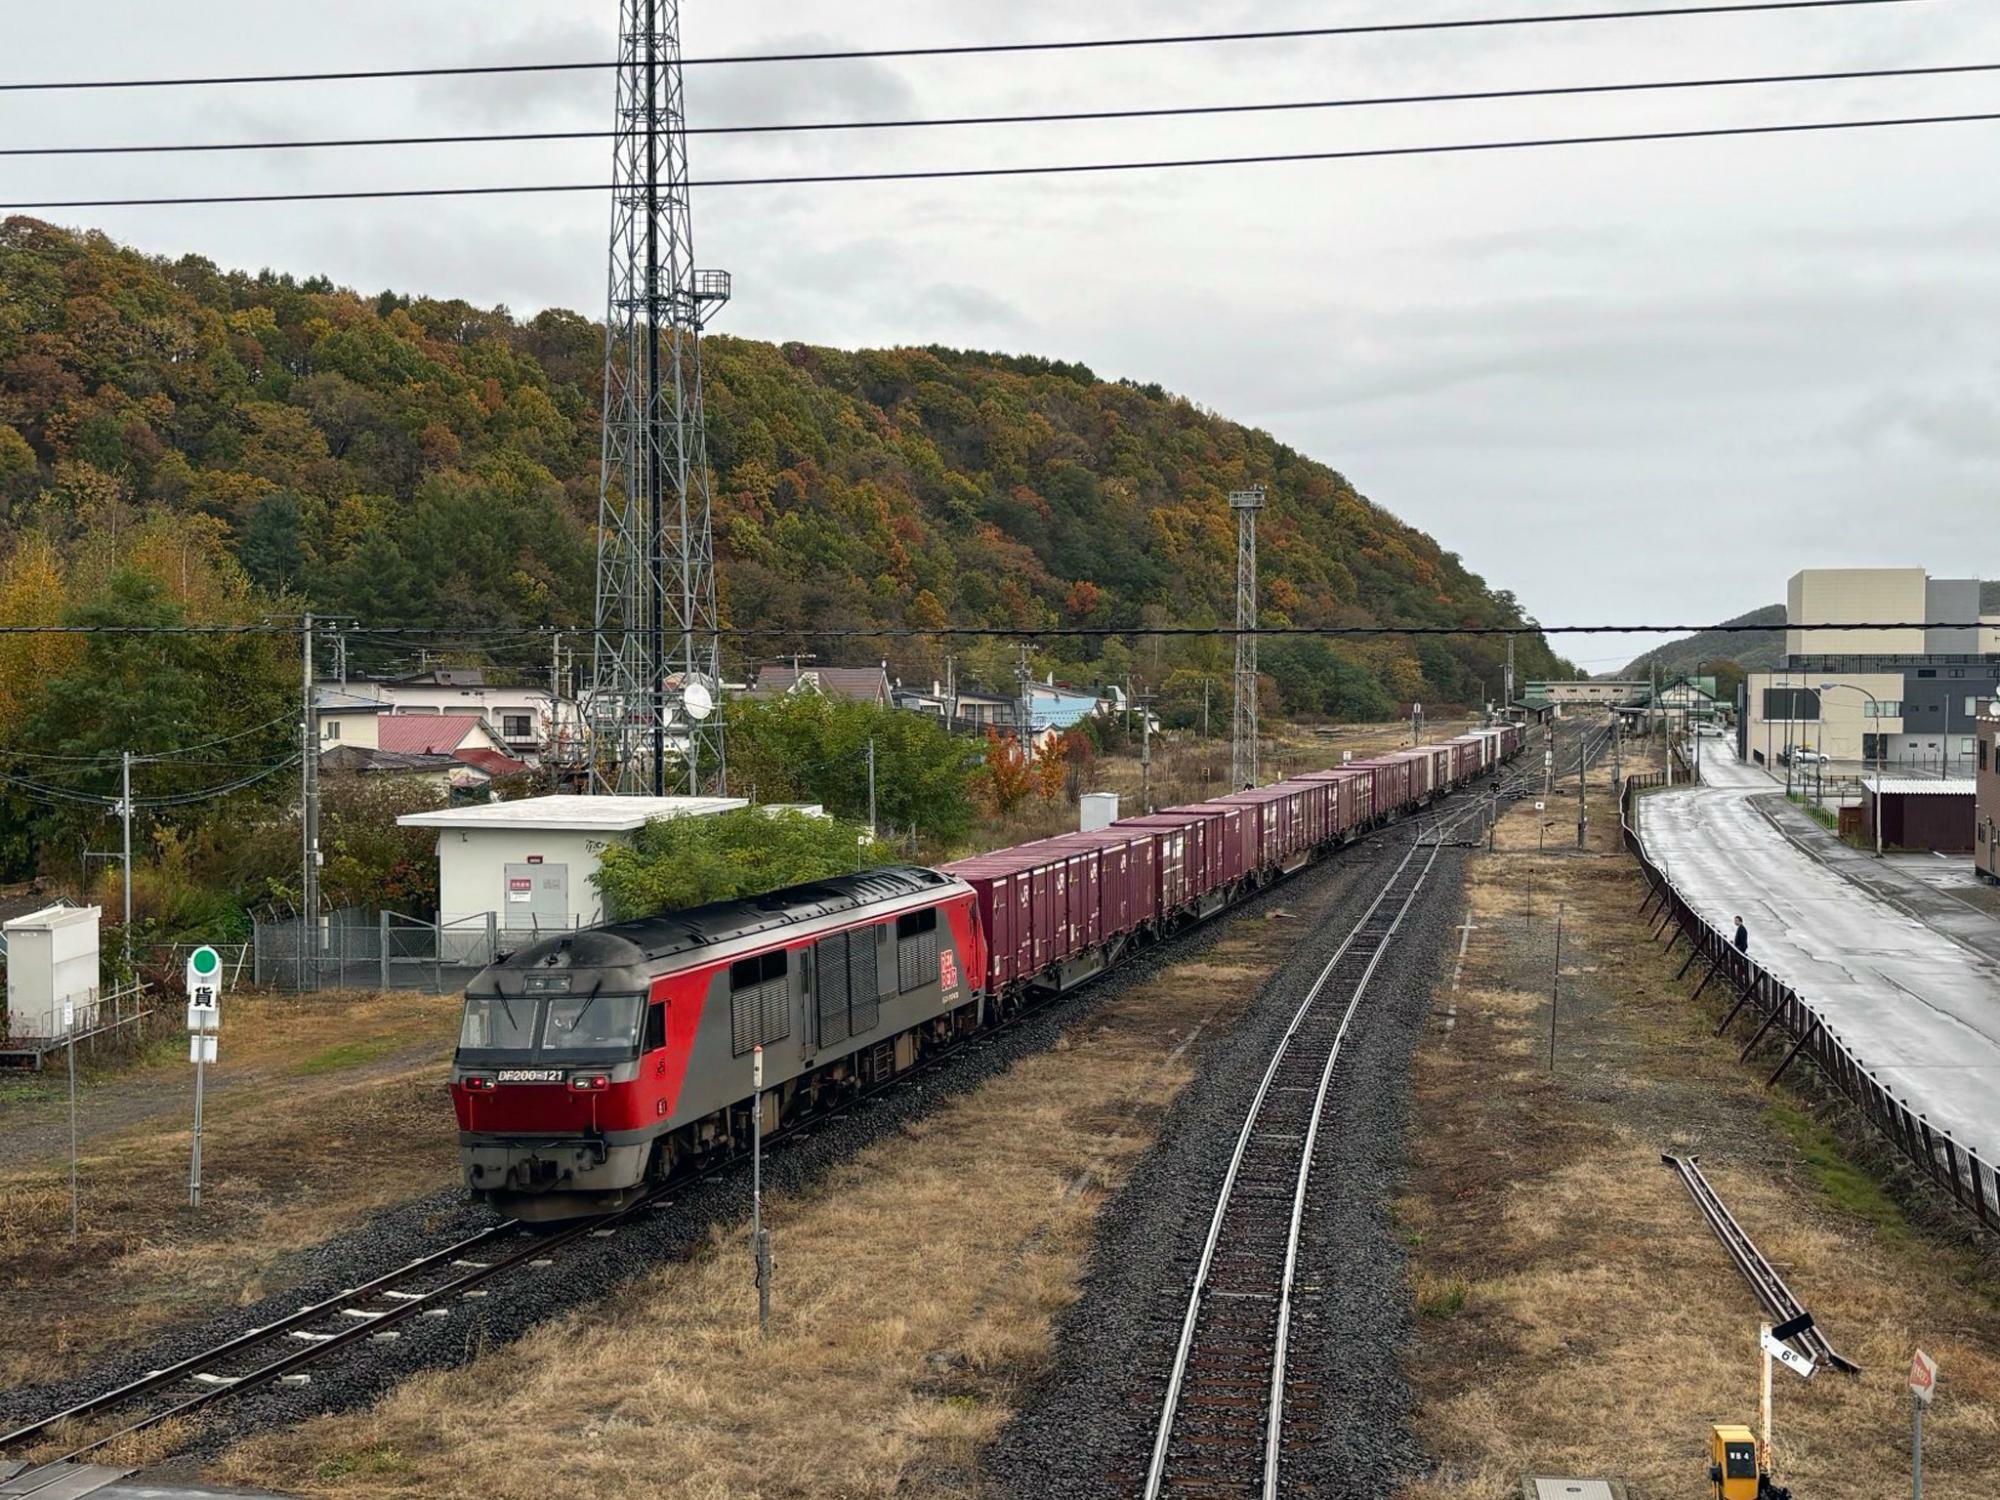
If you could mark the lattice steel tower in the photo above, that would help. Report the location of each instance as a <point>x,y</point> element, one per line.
<point>1243,741</point>
<point>655,659</point>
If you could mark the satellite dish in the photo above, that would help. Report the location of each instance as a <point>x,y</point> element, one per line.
<point>697,702</point>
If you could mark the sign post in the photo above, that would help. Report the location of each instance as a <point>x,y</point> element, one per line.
<point>760,1244</point>
<point>1923,1385</point>
<point>204,1019</point>
<point>69,1037</point>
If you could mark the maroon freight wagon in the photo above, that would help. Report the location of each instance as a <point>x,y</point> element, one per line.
<point>1282,842</point>
<point>1038,907</point>
<point>1128,892</point>
<point>1203,845</point>
<point>1352,797</point>
<point>1391,785</point>
<point>1235,834</point>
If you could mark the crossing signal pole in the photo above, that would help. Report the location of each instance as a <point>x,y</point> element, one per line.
<point>656,658</point>
<point>1243,743</point>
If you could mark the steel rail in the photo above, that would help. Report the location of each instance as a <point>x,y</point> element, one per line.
<point>252,1337</point>
<point>1769,1286</point>
<point>1170,1408</point>
<point>1274,1428</point>
<point>1433,840</point>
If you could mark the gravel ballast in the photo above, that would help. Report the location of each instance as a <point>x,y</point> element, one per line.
<point>597,1268</point>
<point>1087,1429</point>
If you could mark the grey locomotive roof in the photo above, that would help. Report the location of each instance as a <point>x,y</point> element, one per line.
<point>618,943</point>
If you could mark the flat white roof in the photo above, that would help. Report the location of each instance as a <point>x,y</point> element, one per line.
<point>582,814</point>
<point>1919,786</point>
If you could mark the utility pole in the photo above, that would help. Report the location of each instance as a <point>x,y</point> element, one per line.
<point>950,691</point>
<point>760,1242</point>
<point>1582,800</point>
<point>1024,706</point>
<point>1509,699</point>
<point>1243,742</point>
<point>871,786</point>
<point>1146,754</point>
<point>308,792</point>
<point>1204,707</point>
<point>125,814</point>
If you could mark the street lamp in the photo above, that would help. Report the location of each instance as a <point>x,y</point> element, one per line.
<point>1880,766</point>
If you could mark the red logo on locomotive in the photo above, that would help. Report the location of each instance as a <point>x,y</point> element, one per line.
<point>948,969</point>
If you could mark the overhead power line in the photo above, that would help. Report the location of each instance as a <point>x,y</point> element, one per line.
<point>1052,632</point>
<point>156,757</point>
<point>971,49</point>
<point>1055,169</point>
<point>45,793</point>
<point>1049,117</point>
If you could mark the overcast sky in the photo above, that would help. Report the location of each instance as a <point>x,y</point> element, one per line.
<point>1640,382</point>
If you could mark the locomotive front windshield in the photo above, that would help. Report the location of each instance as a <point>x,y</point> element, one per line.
<point>561,1023</point>
<point>593,1022</point>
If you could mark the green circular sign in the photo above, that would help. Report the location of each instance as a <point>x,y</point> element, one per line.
<point>205,961</point>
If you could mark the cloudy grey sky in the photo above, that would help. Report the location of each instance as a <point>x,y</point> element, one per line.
<point>1626,382</point>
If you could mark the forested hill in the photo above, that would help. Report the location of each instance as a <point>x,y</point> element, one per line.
<point>1752,650</point>
<point>407,460</point>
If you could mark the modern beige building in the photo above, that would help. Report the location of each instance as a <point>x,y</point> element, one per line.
<point>1817,596</point>
<point>1986,813</point>
<point>1786,710</point>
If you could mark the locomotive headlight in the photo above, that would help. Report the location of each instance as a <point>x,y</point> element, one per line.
<point>478,1083</point>
<point>589,1083</point>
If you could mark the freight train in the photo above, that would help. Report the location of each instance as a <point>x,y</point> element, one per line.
<point>594,1065</point>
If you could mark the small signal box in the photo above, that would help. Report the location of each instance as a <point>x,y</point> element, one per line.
<point>1732,1462</point>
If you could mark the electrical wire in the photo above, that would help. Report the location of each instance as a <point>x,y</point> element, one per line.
<point>44,792</point>
<point>1062,169</point>
<point>155,756</point>
<point>1051,632</point>
<point>1057,117</point>
<point>970,49</point>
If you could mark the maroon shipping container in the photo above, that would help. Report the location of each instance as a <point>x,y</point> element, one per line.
<point>1352,799</point>
<point>1391,784</point>
<point>1282,835</point>
<point>1235,834</point>
<point>1126,887</point>
<point>1206,856</point>
<point>1038,905</point>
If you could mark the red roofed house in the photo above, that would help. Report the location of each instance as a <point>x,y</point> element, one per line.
<point>430,744</point>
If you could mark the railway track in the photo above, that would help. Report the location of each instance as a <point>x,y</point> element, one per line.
<point>1763,1277</point>
<point>280,1351</point>
<point>1222,1425</point>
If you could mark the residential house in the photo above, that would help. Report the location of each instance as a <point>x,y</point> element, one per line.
<point>863,684</point>
<point>526,721</point>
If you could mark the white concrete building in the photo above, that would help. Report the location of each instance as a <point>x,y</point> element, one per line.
<point>527,865</point>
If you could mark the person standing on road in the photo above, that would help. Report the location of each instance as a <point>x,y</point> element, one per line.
<point>1742,937</point>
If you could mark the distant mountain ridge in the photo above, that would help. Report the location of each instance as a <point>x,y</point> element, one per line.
<point>1751,649</point>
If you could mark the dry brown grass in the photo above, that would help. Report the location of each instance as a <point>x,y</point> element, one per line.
<point>321,1111</point>
<point>1602,1329</point>
<point>915,1293</point>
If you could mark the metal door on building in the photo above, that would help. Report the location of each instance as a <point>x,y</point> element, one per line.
<point>536,898</point>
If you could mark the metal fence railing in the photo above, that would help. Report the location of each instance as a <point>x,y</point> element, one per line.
<point>1957,1169</point>
<point>103,1014</point>
<point>355,949</point>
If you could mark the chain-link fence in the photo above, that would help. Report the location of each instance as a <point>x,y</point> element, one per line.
<point>355,949</point>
